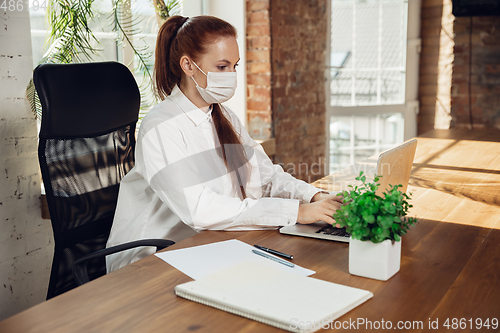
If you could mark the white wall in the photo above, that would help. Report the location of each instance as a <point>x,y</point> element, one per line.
<point>232,11</point>
<point>26,243</point>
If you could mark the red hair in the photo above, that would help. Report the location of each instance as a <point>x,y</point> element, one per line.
<point>180,36</point>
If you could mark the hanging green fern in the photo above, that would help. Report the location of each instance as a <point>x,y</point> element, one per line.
<point>165,10</point>
<point>71,39</point>
<point>70,34</point>
<point>127,30</point>
<point>34,100</point>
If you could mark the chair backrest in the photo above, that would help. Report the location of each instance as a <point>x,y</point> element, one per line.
<point>86,146</point>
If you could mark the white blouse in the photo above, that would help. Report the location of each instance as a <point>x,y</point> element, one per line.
<point>179,184</point>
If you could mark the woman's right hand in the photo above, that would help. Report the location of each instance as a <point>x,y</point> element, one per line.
<point>321,210</point>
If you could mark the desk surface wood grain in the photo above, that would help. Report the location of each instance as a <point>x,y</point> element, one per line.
<point>450,260</point>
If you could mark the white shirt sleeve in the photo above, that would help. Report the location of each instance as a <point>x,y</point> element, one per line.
<point>181,179</point>
<point>275,181</point>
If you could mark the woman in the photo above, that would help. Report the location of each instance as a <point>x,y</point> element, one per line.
<point>196,166</point>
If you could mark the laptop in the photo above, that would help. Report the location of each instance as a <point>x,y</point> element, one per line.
<point>395,167</point>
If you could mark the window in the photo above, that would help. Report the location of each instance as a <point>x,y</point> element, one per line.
<point>368,37</point>
<point>141,12</point>
<point>372,77</point>
<point>354,138</point>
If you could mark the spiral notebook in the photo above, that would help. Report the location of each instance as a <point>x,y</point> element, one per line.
<point>275,297</point>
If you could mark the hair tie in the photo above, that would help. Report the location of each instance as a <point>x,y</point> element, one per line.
<point>181,25</point>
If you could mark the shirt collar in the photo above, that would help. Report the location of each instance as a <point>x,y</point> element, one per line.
<point>196,115</point>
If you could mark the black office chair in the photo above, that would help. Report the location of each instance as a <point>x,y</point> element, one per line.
<point>87,141</point>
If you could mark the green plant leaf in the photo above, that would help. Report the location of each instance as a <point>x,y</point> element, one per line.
<point>368,216</point>
<point>34,100</point>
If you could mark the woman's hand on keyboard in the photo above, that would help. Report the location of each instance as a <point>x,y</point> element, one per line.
<point>319,210</point>
<point>324,195</point>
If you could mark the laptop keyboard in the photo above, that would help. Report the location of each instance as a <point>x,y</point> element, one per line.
<point>331,230</point>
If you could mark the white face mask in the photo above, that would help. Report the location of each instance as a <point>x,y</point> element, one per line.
<point>220,86</point>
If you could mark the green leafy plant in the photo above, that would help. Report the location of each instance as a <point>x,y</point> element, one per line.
<point>166,9</point>
<point>71,38</point>
<point>370,217</point>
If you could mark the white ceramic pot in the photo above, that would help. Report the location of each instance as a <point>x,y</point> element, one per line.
<point>376,261</point>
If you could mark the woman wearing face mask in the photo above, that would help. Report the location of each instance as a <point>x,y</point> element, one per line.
<point>196,166</point>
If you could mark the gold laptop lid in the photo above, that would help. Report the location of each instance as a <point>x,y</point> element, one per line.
<point>395,165</point>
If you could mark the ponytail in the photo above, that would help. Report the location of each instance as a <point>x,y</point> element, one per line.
<point>165,78</point>
<point>180,36</point>
<point>233,152</point>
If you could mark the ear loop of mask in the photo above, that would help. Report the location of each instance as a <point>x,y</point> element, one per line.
<point>192,76</point>
<point>199,68</point>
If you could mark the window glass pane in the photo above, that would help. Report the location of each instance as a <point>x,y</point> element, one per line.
<point>341,90</point>
<point>144,18</point>
<point>366,35</point>
<point>393,35</point>
<point>104,30</point>
<point>342,28</point>
<point>39,25</point>
<point>102,26</point>
<point>143,12</point>
<point>391,86</point>
<point>340,134</point>
<point>367,83</point>
<point>355,138</point>
<point>102,21</point>
<point>372,33</point>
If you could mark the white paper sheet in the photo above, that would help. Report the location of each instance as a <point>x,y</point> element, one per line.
<point>204,260</point>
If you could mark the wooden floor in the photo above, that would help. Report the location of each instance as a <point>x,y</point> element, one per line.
<point>450,265</point>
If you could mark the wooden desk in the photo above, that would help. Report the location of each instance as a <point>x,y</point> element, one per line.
<point>450,264</point>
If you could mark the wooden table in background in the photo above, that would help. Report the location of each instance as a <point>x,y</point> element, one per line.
<point>450,264</point>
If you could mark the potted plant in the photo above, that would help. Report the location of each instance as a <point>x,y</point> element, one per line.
<point>376,224</point>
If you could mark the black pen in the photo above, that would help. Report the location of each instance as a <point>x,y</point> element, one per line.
<point>278,253</point>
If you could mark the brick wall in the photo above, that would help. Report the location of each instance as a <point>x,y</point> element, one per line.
<point>286,85</point>
<point>299,38</point>
<point>259,115</point>
<point>448,45</point>
<point>27,245</point>
<point>477,42</point>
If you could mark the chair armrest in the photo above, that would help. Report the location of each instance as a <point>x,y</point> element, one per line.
<point>80,272</point>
